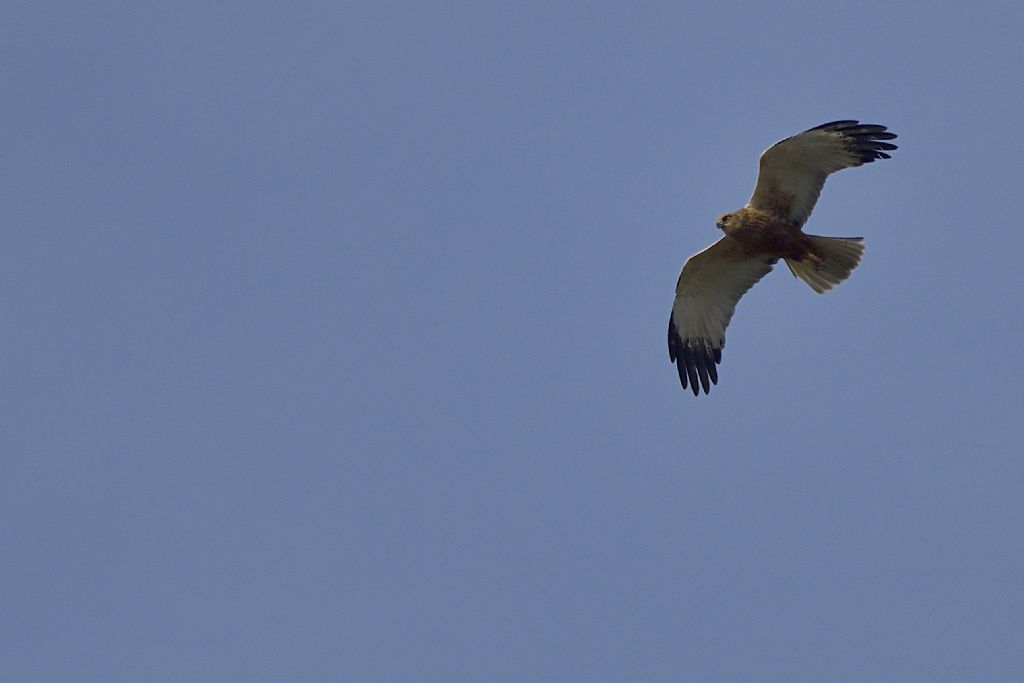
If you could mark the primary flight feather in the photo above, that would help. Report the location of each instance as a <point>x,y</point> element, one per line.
<point>789,181</point>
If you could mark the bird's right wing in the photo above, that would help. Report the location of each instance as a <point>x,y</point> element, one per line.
<point>709,286</point>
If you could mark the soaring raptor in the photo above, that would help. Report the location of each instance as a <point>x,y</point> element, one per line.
<point>789,180</point>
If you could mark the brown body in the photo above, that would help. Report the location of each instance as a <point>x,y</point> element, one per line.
<point>761,233</point>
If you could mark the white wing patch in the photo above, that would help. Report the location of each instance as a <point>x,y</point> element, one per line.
<point>709,286</point>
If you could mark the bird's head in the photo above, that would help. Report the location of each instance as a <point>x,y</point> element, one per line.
<point>723,222</point>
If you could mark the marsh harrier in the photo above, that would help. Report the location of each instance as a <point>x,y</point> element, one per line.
<point>789,180</point>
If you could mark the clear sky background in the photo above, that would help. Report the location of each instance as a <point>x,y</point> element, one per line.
<point>334,345</point>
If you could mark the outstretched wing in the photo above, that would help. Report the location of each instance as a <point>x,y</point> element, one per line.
<point>709,286</point>
<point>793,171</point>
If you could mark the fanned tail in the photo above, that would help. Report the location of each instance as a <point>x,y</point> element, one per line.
<point>829,261</point>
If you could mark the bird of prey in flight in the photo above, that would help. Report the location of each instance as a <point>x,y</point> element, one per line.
<point>789,180</point>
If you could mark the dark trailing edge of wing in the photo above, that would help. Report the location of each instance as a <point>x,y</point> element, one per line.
<point>695,360</point>
<point>864,140</point>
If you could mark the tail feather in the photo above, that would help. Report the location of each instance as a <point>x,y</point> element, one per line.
<point>829,261</point>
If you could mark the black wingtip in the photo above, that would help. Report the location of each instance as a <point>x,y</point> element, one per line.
<point>863,139</point>
<point>835,125</point>
<point>695,361</point>
<point>856,128</point>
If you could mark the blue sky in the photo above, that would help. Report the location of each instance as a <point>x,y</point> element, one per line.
<point>334,345</point>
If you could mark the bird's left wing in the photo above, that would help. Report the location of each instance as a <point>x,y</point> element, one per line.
<point>792,172</point>
<point>709,286</point>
